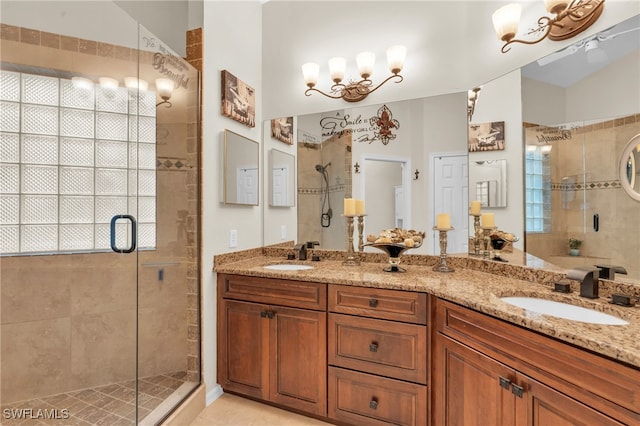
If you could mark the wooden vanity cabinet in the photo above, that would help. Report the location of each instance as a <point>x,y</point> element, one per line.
<point>272,341</point>
<point>377,355</point>
<point>487,371</point>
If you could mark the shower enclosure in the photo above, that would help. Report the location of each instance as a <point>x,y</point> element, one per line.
<point>99,224</point>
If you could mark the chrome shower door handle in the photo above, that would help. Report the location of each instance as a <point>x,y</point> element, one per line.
<point>113,233</point>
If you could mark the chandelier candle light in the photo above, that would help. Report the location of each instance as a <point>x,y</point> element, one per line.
<point>443,225</point>
<point>571,18</point>
<point>354,91</point>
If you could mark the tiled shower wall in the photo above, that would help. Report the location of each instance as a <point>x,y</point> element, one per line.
<point>69,321</point>
<point>337,151</point>
<point>590,162</point>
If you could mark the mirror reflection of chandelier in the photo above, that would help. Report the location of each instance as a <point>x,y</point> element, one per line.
<point>358,90</point>
<point>571,18</point>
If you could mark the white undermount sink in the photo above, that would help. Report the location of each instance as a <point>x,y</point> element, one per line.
<point>288,267</point>
<point>564,310</point>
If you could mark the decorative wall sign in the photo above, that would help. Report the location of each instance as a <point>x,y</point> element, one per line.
<point>486,136</point>
<point>282,129</point>
<point>383,123</point>
<point>379,127</point>
<point>238,100</point>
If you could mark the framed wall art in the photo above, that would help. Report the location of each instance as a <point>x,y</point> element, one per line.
<point>282,129</point>
<point>238,100</point>
<point>486,136</point>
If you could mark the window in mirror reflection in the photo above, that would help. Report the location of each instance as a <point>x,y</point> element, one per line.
<point>538,190</point>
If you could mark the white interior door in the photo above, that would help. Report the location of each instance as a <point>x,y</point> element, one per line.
<point>280,187</point>
<point>247,185</point>
<point>451,195</point>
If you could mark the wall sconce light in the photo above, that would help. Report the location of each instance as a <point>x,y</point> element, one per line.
<point>358,90</point>
<point>472,97</point>
<point>165,87</point>
<point>416,173</point>
<point>108,82</point>
<point>571,18</point>
<point>136,83</point>
<point>81,83</point>
<point>356,167</point>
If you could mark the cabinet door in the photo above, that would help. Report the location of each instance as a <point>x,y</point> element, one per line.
<point>298,359</point>
<point>467,387</point>
<point>543,406</point>
<point>243,336</point>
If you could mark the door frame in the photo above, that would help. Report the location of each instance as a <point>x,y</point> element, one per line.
<point>405,164</point>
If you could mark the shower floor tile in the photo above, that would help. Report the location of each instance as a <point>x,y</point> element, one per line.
<point>110,405</point>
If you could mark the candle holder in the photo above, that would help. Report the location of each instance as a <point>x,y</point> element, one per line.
<point>442,266</point>
<point>478,235</point>
<point>486,231</point>
<point>360,231</point>
<point>351,259</point>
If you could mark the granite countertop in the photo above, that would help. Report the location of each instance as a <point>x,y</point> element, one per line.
<point>467,286</point>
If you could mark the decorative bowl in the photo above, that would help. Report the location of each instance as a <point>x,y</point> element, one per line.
<point>394,251</point>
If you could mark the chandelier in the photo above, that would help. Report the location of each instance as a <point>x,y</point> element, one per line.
<point>354,91</point>
<point>571,18</point>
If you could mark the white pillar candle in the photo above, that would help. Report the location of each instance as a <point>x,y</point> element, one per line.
<point>359,207</point>
<point>349,207</point>
<point>488,220</point>
<point>443,221</point>
<point>475,207</point>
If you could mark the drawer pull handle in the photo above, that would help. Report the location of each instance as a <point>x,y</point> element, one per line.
<point>505,383</point>
<point>517,390</point>
<point>373,403</point>
<point>373,347</point>
<point>373,303</point>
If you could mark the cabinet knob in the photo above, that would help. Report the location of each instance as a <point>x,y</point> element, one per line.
<point>270,314</point>
<point>263,314</point>
<point>373,303</point>
<point>373,347</point>
<point>373,403</point>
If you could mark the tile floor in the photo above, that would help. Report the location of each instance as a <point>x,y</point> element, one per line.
<point>110,405</point>
<point>231,410</point>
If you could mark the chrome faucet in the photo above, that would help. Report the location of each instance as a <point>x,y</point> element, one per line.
<point>588,278</point>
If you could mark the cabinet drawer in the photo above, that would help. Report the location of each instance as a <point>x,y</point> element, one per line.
<point>397,305</point>
<point>296,294</point>
<point>363,399</point>
<point>381,347</point>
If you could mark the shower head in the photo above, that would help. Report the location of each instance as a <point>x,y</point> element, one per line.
<point>321,169</point>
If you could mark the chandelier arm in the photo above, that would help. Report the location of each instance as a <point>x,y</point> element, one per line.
<point>400,78</point>
<point>544,24</point>
<point>313,89</point>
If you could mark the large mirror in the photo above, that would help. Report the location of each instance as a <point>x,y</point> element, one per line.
<point>241,170</point>
<point>282,179</point>
<point>629,168</point>
<point>580,106</point>
<point>521,98</point>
